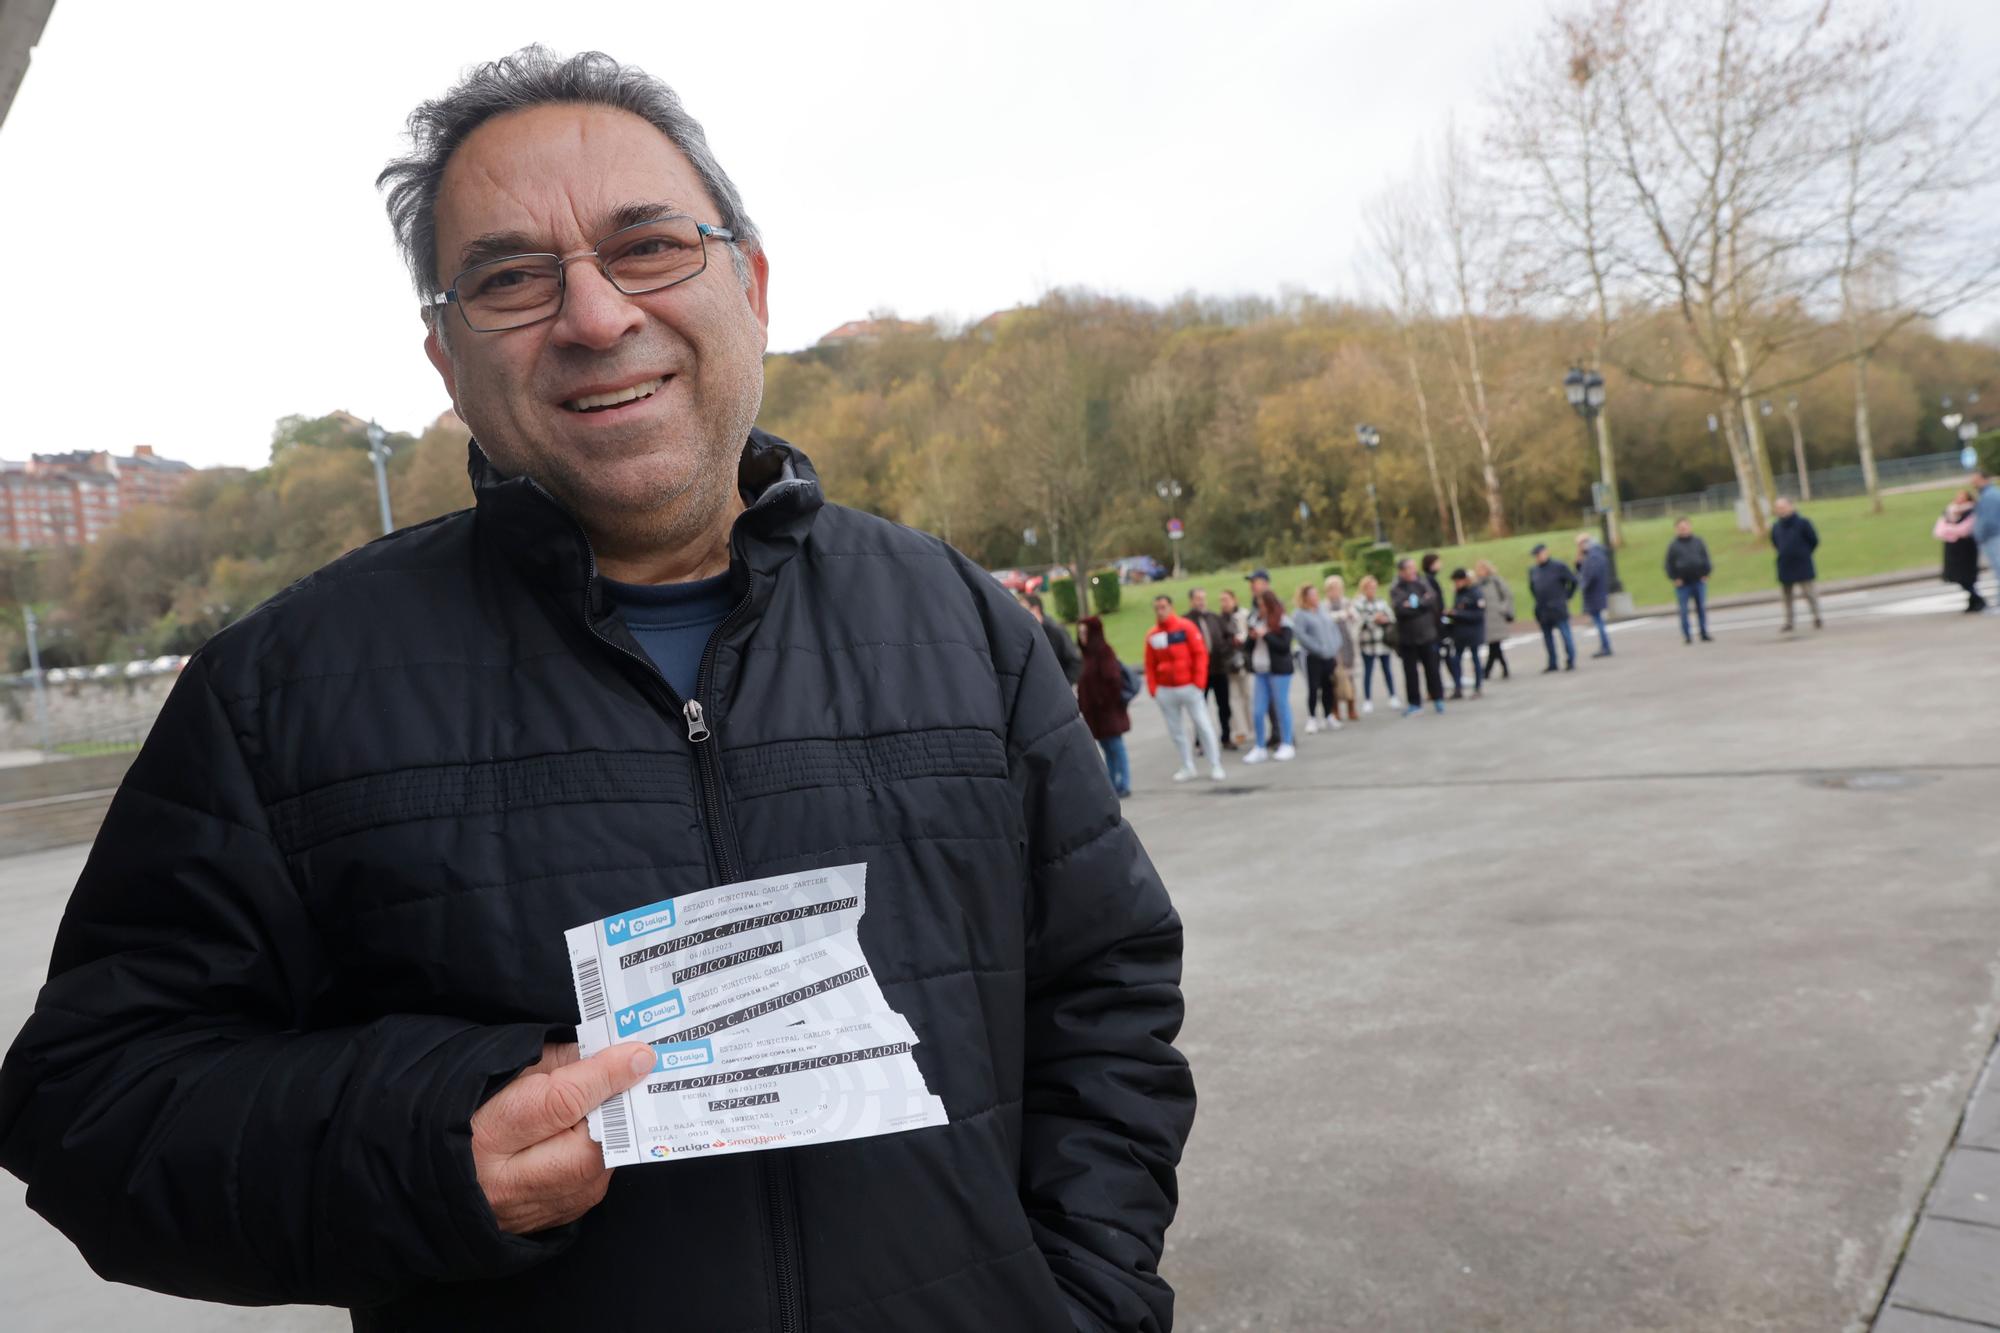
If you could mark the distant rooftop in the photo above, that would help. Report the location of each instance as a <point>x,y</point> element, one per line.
<point>870,330</point>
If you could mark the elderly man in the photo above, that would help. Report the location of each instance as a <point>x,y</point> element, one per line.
<point>1593,579</point>
<point>306,1031</point>
<point>1795,539</point>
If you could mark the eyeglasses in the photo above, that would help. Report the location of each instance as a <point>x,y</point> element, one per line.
<point>519,290</point>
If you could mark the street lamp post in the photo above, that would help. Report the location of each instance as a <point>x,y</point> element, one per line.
<point>1585,391</point>
<point>35,674</point>
<point>378,450</point>
<point>1371,440</point>
<point>1170,491</point>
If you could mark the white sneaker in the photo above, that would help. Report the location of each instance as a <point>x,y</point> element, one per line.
<point>1216,774</point>
<point>1367,706</point>
<point>1284,752</point>
<point>1312,725</point>
<point>1257,756</point>
<point>1182,775</point>
<point>1332,724</point>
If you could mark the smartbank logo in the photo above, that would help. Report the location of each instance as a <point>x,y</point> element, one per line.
<point>657,1009</point>
<point>682,1055</point>
<point>657,916</point>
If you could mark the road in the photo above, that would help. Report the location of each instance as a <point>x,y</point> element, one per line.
<point>1639,998</point>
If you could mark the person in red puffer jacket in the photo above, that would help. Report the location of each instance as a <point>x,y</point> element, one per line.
<point>1176,671</point>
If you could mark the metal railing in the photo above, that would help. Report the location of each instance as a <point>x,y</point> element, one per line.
<point>1831,483</point>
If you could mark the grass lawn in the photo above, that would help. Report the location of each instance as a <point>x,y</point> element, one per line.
<point>1852,542</point>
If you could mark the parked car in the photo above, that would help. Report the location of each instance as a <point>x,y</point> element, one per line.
<point>1140,569</point>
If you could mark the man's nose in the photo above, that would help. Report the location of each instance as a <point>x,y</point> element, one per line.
<point>595,314</point>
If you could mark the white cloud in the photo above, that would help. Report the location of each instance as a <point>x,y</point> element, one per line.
<point>933,157</point>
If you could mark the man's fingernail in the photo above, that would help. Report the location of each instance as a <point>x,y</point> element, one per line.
<point>642,1063</point>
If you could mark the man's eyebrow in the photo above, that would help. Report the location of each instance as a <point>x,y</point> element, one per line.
<point>503,244</point>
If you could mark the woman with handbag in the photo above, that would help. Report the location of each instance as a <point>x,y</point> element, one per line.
<point>1102,690</point>
<point>1961,552</point>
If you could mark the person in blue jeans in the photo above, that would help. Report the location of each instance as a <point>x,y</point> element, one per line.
<point>1688,568</point>
<point>1986,527</point>
<point>1593,577</point>
<point>1551,585</point>
<point>1271,677</point>
<point>1102,693</point>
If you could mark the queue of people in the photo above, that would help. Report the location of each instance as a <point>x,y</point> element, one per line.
<point>1240,657</point>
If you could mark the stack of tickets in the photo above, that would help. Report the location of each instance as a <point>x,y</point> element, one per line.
<point>767,1025</point>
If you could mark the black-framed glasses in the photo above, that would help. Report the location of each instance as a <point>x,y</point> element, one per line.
<point>519,290</point>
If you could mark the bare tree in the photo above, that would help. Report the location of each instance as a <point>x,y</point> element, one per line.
<point>1552,122</point>
<point>1915,232</point>
<point>1399,240</point>
<point>1463,214</point>
<point>1711,120</point>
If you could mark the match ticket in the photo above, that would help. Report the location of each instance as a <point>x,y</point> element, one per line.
<point>765,1018</point>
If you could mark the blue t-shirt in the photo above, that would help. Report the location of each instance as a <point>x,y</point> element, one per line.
<point>673,622</point>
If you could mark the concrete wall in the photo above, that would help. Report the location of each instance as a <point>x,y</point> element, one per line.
<point>57,803</point>
<point>111,709</point>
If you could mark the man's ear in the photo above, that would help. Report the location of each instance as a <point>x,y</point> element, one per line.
<point>757,290</point>
<point>441,360</point>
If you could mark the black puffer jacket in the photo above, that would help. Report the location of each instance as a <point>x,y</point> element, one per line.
<point>323,920</point>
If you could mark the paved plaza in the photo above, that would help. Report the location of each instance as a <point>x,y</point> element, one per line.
<point>1646,997</point>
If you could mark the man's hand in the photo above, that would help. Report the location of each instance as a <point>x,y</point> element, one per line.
<point>531,1149</point>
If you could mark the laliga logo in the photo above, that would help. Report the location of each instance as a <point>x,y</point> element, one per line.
<point>659,1150</point>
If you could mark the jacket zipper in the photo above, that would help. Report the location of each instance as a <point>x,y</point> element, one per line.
<point>780,1200</point>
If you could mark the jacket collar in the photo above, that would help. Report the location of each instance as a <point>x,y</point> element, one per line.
<point>781,494</point>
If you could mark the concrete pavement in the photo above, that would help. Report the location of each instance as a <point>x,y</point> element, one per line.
<point>1640,998</point>
<point>1645,997</point>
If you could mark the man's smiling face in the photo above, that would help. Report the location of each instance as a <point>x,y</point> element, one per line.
<point>631,410</point>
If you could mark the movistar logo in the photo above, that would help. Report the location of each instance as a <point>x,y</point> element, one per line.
<point>658,916</point>
<point>651,1010</point>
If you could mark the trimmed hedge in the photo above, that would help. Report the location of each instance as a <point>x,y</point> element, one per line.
<point>1060,596</point>
<point>1379,561</point>
<point>1104,592</point>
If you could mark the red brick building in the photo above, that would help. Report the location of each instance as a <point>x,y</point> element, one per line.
<point>70,499</point>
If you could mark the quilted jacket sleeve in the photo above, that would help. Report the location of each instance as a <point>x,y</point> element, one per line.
<point>1108,1101</point>
<point>169,1110</point>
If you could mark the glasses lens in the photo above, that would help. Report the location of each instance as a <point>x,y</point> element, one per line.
<point>508,293</point>
<point>653,255</point>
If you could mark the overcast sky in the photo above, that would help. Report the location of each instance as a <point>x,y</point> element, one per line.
<point>931,157</point>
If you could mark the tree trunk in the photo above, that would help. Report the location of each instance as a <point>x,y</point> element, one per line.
<point>1607,465</point>
<point>1799,452</point>
<point>1457,518</point>
<point>1753,444</point>
<point>1864,440</point>
<point>1746,472</point>
<point>1424,428</point>
<point>1753,438</point>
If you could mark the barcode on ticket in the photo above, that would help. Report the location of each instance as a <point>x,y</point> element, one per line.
<point>590,989</point>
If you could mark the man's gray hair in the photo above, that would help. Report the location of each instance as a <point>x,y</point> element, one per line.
<point>536,76</point>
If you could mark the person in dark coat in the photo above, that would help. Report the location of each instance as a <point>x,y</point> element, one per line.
<point>1961,550</point>
<point>1796,539</point>
<point>1688,568</point>
<point>1419,630</point>
<point>1059,641</point>
<point>1593,579</point>
<point>1218,631</point>
<point>1551,585</point>
<point>1467,633</point>
<point>1100,697</point>
<point>308,1033</point>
